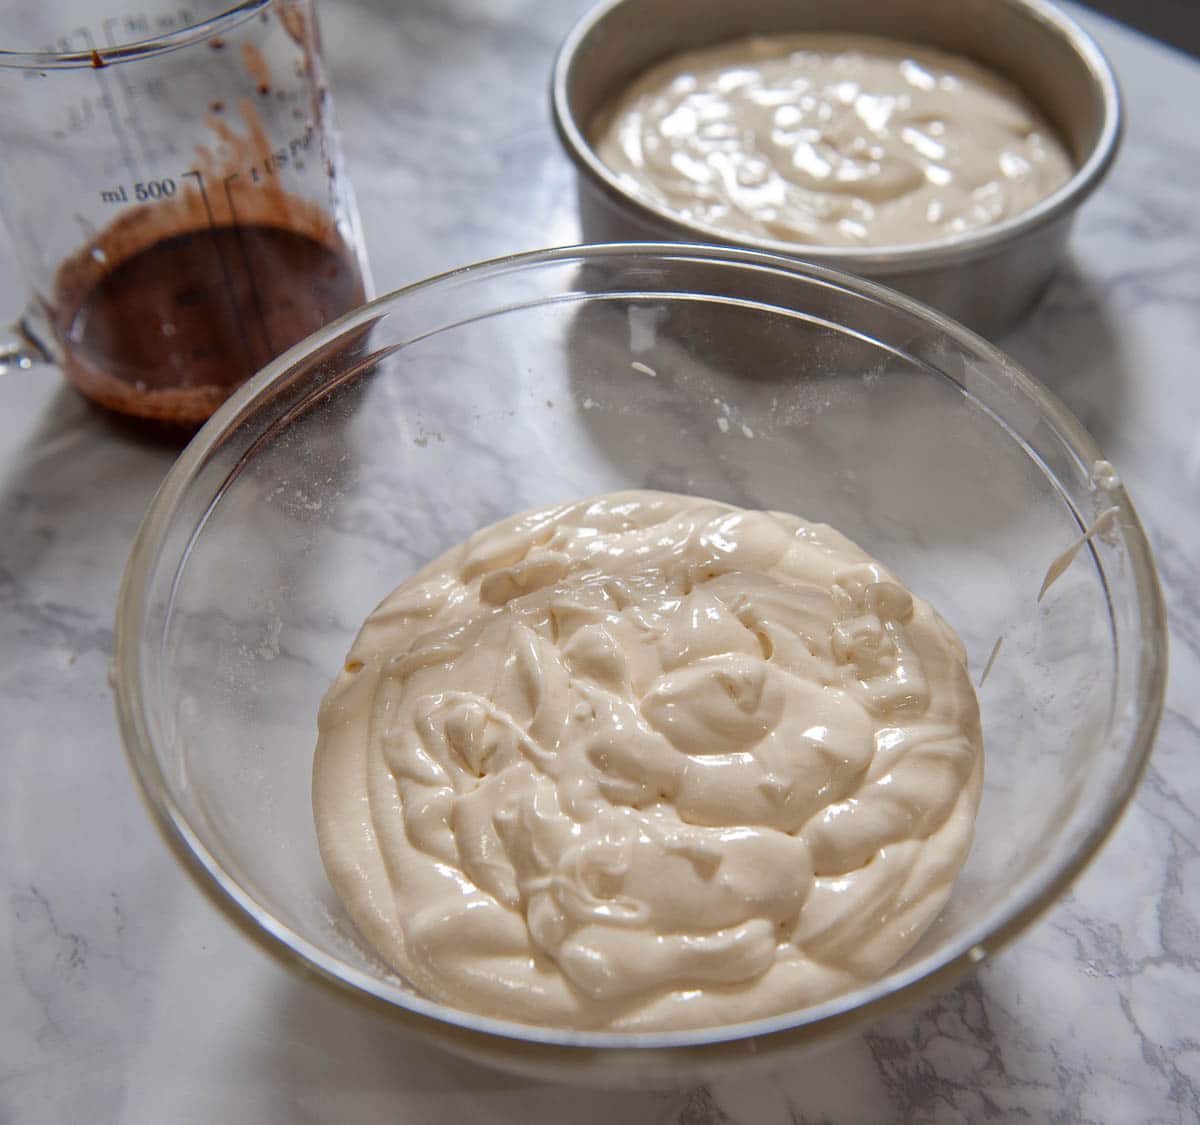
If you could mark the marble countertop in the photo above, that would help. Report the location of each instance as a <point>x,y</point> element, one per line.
<point>127,998</point>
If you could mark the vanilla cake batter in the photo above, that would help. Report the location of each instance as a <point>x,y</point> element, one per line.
<point>830,140</point>
<point>647,761</point>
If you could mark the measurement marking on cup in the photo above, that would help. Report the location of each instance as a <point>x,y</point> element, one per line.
<point>141,191</point>
<point>248,266</point>
<point>233,302</point>
<point>287,155</point>
<point>106,98</point>
<point>131,115</point>
<point>275,162</point>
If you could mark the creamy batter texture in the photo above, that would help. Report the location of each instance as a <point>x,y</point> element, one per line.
<point>831,140</point>
<point>647,761</point>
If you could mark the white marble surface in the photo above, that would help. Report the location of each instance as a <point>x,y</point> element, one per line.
<point>126,998</point>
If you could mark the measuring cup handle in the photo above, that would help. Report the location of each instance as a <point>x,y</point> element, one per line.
<point>20,349</point>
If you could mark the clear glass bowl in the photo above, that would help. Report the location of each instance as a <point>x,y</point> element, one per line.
<point>395,432</point>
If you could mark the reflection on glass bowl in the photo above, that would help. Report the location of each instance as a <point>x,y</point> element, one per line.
<point>394,433</point>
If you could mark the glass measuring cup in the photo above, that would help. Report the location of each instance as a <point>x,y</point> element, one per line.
<point>172,184</point>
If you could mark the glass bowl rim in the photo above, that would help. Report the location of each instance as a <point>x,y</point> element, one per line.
<point>472,1033</point>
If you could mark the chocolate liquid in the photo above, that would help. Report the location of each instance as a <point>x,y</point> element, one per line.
<point>171,331</point>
